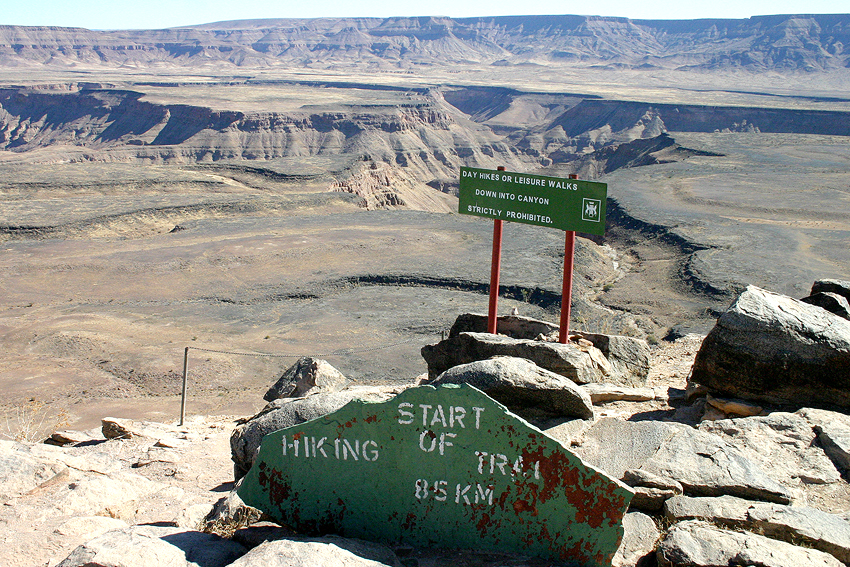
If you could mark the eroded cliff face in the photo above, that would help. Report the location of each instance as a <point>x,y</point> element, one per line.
<point>782,42</point>
<point>403,155</point>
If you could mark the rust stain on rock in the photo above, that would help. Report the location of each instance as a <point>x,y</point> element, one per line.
<point>439,467</point>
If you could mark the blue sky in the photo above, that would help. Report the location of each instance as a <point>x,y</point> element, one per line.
<point>146,14</point>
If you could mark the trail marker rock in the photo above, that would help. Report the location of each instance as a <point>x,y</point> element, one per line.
<point>439,467</point>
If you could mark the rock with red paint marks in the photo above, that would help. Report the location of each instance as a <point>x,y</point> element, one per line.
<point>526,389</point>
<point>435,468</point>
<point>286,412</point>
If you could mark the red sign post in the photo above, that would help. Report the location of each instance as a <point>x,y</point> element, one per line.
<point>495,268</point>
<point>568,205</point>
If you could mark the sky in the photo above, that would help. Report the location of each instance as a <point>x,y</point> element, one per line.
<point>154,14</point>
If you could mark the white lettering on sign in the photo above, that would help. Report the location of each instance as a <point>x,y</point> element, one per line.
<point>431,416</point>
<point>484,210</point>
<point>465,494</point>
<point>499,462</point>
<point>528,217</point>
<point>303,446</point>
<point>555,184</point>
<point>428,441</point>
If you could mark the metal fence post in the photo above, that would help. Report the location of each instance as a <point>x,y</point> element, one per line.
<point>185,376</point>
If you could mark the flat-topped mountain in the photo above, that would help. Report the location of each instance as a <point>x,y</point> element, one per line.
<point>784,42</point>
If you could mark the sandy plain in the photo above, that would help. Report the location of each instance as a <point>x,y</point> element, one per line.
<point>123,265</point>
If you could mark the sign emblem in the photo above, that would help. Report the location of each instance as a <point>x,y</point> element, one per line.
<point>591,209</point>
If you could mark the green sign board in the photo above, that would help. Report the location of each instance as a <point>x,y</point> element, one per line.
<point>565,204</point>
<point>439,467</point>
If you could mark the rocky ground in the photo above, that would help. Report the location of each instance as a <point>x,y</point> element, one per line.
<point>170,477</point>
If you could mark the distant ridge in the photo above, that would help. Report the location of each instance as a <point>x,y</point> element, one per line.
<point>777,42</point>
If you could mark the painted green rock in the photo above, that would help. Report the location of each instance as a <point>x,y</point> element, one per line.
<point>439,467</point>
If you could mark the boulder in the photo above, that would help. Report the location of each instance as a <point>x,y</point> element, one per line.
<point>578,363</point>
<point>117,495</point>
<point>511,325</point>
<point>22,470</point>
<point>697,544</point>
<point>639,538</point>
<point>286,412</point>
<point>706,465</point>
<point>89,527</point>
<point>616,446</point>
<point>833,431</point>
<point>312,552</point>
<point>774,348</point>
<point>307,375</point>
<point>651,491</point>
<point>838,287</point>
<point>139,546</point>
<point>523,387</point>
<point>567,431</point>
<point>628,356</point>
<point>600,393</point>
<point>794,524</point>
<point>783,444</point>
<point>832,302</point>
<point>737,408</point>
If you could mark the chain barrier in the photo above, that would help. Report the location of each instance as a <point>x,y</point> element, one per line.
<point>334,353</point>
<point>339,352</point>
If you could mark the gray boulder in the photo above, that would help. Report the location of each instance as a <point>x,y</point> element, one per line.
<point>832,302</point>
<point>651,491</point>
<point>600,393</point>
<point>523,387</point>
<point>616,446</point>
<point>138,546</point>
<point>639,538</point>
<point>22,470</point>
<point>774,348</point>
<point>286,412</point>
<point>628,356</point>
<point>581,364</point>
<point>307,375</point>
<point>704,464</point>
<point>783,444</point>
<point>838,287</point>
<point>697,544</point>
<point>316,552</point>
<point>833,431</point>
<point>794,524</point>
<point>513,326</point>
